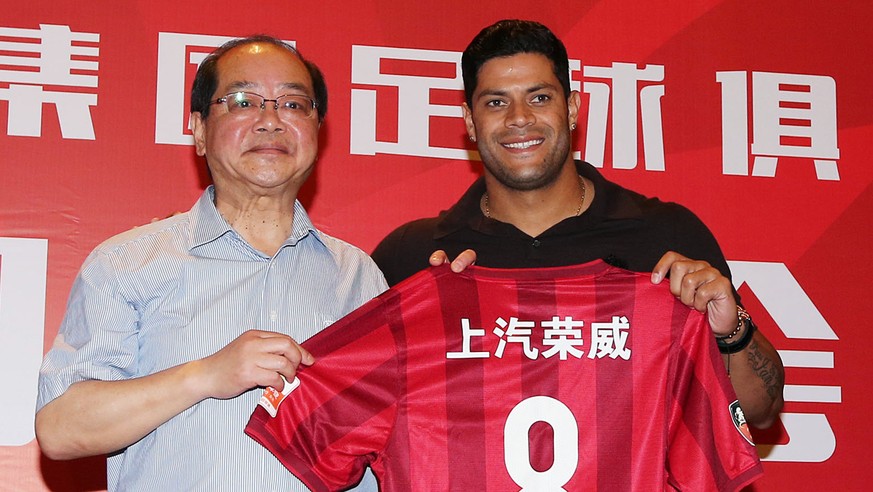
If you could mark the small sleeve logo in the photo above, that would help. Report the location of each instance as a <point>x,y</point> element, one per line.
<point>272,398</point>
<point>739,419</point>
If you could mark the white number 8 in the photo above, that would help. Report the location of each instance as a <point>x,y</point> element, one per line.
<point>516,444</point>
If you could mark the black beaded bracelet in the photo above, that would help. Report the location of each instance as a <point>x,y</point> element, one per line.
<point>732,348</point>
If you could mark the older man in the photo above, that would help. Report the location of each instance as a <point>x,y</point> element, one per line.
<point>172,328</point>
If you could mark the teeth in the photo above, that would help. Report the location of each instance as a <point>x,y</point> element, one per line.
<point>524,145</point>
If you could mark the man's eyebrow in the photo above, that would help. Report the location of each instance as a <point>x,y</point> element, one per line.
<point>529,90</point>
<point>492,92</point>
<point>296,86</point>
<point>242,85</point>
<point>540,87</point>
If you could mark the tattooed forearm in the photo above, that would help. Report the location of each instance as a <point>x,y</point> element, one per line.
<point>765,369</point>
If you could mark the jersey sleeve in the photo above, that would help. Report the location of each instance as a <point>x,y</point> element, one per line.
<point>332,425</point>
<point>709,445</point>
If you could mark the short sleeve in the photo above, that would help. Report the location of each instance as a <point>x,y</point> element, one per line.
<point>708,449</point>
<point>97,339</point>
<point>340,417</point>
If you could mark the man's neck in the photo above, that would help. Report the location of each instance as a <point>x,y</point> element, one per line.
<point>535,211</point>
<point>265,222</point>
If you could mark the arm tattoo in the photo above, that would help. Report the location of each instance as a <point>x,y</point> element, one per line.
<point>765,369</point>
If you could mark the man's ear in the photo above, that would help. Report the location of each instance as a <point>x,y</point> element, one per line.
<point>198,127</point>
<point>574,101</point>
<point>468,121</point>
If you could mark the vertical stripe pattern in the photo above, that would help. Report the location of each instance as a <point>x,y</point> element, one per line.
<point>482,404</point>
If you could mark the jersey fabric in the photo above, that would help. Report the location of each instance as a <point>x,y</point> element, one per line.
<point>586,377</point>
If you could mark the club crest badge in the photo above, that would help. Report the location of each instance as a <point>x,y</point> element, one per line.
<point>739,419</point>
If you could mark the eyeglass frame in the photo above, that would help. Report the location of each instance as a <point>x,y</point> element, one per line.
<point>223,100</point>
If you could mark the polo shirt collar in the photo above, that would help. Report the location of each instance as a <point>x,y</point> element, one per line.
<point>466,213</point>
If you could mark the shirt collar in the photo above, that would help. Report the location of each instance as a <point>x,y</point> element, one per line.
<point>607,205</point>
<point>209,225</point>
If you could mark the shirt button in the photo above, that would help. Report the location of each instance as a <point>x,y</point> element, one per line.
<point>535,243</point>
<point>274,315</point>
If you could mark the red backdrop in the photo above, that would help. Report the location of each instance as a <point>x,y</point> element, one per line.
<point>756,115</point>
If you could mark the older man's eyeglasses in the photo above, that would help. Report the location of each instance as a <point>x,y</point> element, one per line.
<point>288,106</point>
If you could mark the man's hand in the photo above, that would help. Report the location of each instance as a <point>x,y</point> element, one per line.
<point>757,376</point>
<point>255,358</point>
<point>699,285</point>
<point>459,264</point>
<point>97,417</point>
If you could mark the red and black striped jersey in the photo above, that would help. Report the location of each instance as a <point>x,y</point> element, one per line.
<point>578,378</point>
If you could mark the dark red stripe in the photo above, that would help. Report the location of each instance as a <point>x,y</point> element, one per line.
<point>539,377</point>
<point>465,378</point>
<point>615,296</point>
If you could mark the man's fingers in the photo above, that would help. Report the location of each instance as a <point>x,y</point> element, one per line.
<point>438,258</point>
<point>459,264</point>
<point>465,259</point>
<point>664,265</point>
<point>290,350</point>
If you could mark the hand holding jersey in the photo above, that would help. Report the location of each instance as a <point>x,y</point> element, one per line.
<point>695,283</point>
<point>586,377</point>
<point>700,286</point>
<point>256,358</point>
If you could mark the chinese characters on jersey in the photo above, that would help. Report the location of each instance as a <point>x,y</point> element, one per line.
<point>564,337</point>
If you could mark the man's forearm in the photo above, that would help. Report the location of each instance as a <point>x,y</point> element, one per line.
<point>758,377</point>
<point>98,417</point>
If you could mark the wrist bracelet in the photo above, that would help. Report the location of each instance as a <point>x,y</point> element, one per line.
<point>743,320</point>
<point>742,316</point>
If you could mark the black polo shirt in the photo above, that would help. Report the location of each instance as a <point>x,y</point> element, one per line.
<point>622,227</point>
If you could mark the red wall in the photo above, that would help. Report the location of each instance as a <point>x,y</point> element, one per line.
<point>756,115</point>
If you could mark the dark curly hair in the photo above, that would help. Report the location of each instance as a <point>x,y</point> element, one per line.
<point>511,37</point>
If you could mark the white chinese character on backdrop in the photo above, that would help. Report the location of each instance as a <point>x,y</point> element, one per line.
<point>624,93</point>
<point>22,326</point>
<point>515,331</point>
<point>610,339</point>
<point>792,116</point>
<point>563,336</point>
<point>467,332</point>
<point>55,66</point>
<point>176,53</point>
<point>414,106</point>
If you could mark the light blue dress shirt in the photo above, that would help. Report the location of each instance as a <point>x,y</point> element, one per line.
<point>179,290</point>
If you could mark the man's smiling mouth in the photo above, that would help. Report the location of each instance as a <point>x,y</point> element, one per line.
<point>524,145</point>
